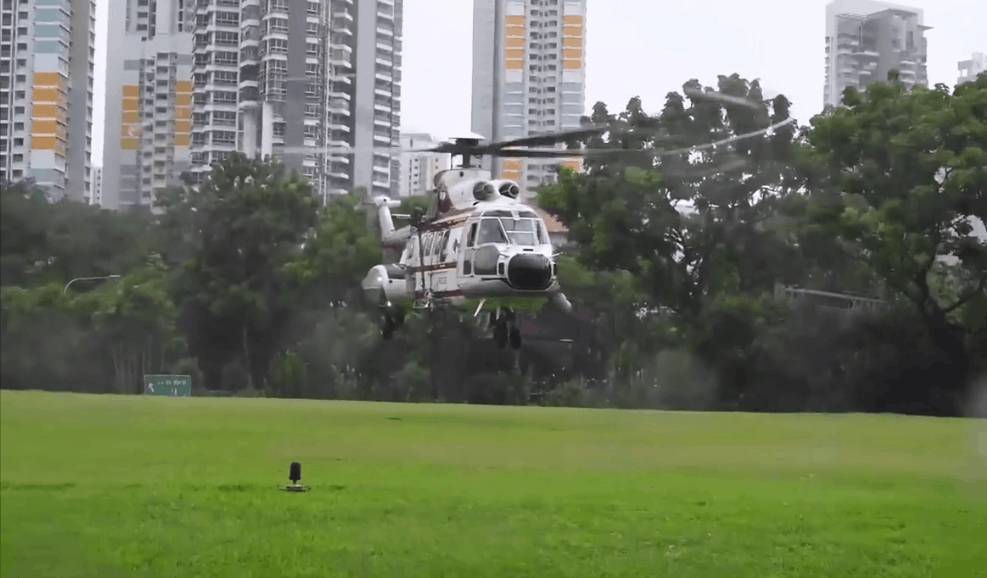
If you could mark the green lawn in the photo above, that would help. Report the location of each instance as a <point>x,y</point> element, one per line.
<point>129,486</point>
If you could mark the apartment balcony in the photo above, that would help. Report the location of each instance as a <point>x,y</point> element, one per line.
<point>343,15</point>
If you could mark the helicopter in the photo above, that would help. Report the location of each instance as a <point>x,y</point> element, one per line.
<point>478,241</point>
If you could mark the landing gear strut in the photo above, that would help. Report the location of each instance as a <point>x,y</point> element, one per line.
<point>391,322</point>
<point>505,329</point>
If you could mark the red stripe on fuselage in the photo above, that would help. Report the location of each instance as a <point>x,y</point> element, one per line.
<point>440,294</point>
<point>443,225</point>
<point>433,268</point>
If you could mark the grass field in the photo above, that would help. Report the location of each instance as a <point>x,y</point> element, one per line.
<point>129,486</point>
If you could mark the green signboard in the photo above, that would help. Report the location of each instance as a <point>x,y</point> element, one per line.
<point>168,385</point>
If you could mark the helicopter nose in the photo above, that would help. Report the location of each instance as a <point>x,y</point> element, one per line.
<point>527,272</point>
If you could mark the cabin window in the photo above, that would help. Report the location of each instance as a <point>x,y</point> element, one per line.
<point>445,247</point>
<point>428,244</point>
<point>440,243</point>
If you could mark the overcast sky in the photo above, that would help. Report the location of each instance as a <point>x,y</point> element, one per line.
<point>645,48</point>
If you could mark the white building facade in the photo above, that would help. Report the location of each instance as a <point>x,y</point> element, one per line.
<point>418,169</point>
<point>529,77</point>
<point>96,197</point>
<point>46,93</point>
<point>970,69</point>
<point>149,93</point>
<point>866,40</point>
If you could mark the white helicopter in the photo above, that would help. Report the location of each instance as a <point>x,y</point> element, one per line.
<point>478,242</point>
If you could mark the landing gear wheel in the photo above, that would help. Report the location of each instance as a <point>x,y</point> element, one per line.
<point>515,338</point>
<point>388,328</point>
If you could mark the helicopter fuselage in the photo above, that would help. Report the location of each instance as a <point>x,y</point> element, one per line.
<point>483,243</point>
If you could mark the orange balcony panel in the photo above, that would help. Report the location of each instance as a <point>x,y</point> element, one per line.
<point>513,53</point>
<point>48,79</point>
<point>131,117</point>
<point>183,100</point>
<point>130,144</point>
<point>46,143</point>
<point>47,95</point>
<point>572,42</point>
<point>46,126</point>
<point>131,104</point>
<point>570,20</point>
<point>182,140</point>
<point>46,111</point>
<point>515,43</point>
<point>572,53</point>
<point>514,20</point>
<point>183,86</point>
<point>131,91</point>
<point>573,65</point>
<point>183,126</point>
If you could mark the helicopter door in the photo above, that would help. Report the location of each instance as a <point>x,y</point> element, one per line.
<point>468,248</point>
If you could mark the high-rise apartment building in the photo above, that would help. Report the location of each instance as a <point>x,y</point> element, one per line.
<point>866,40</point>
<point>376,104</point>
<point>96,186</point>
<point>148,120</point>
<point>418,169</point>
<point>970,69</point>
<point>283,81</point>
<point>216,79</point>
<point>313,83</point>
<point>46,91</point>
<point>529,76</point>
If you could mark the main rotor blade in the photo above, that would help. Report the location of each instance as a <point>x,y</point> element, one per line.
<point>539,153</point>
<point>546,139</point>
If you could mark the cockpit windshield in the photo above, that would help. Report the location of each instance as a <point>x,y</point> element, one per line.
<point>491,232</point>
<point>524,232</point>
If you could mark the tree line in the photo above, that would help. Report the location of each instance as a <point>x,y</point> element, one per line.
<point>682,228</point>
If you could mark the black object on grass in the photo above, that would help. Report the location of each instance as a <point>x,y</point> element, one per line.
<point>295,475</point>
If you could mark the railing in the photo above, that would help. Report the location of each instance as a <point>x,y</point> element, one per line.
<point>828,299</point>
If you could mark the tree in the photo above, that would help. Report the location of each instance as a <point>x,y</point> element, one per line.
<point>133,323</point>
<point>687,220</point>
<point>336,255</point>
<point>907,175</point>
<point>247,220</point>
<point>42,242</point>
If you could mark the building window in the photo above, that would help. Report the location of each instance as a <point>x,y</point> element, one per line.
<point>277,46</point>
<point>224,137</point>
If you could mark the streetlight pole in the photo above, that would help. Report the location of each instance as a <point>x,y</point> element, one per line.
<point>69,284</point>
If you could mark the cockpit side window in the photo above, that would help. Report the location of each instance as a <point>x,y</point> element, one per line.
<point>471,240</point>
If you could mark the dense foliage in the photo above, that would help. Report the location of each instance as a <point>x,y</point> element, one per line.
<point>675,260</point>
